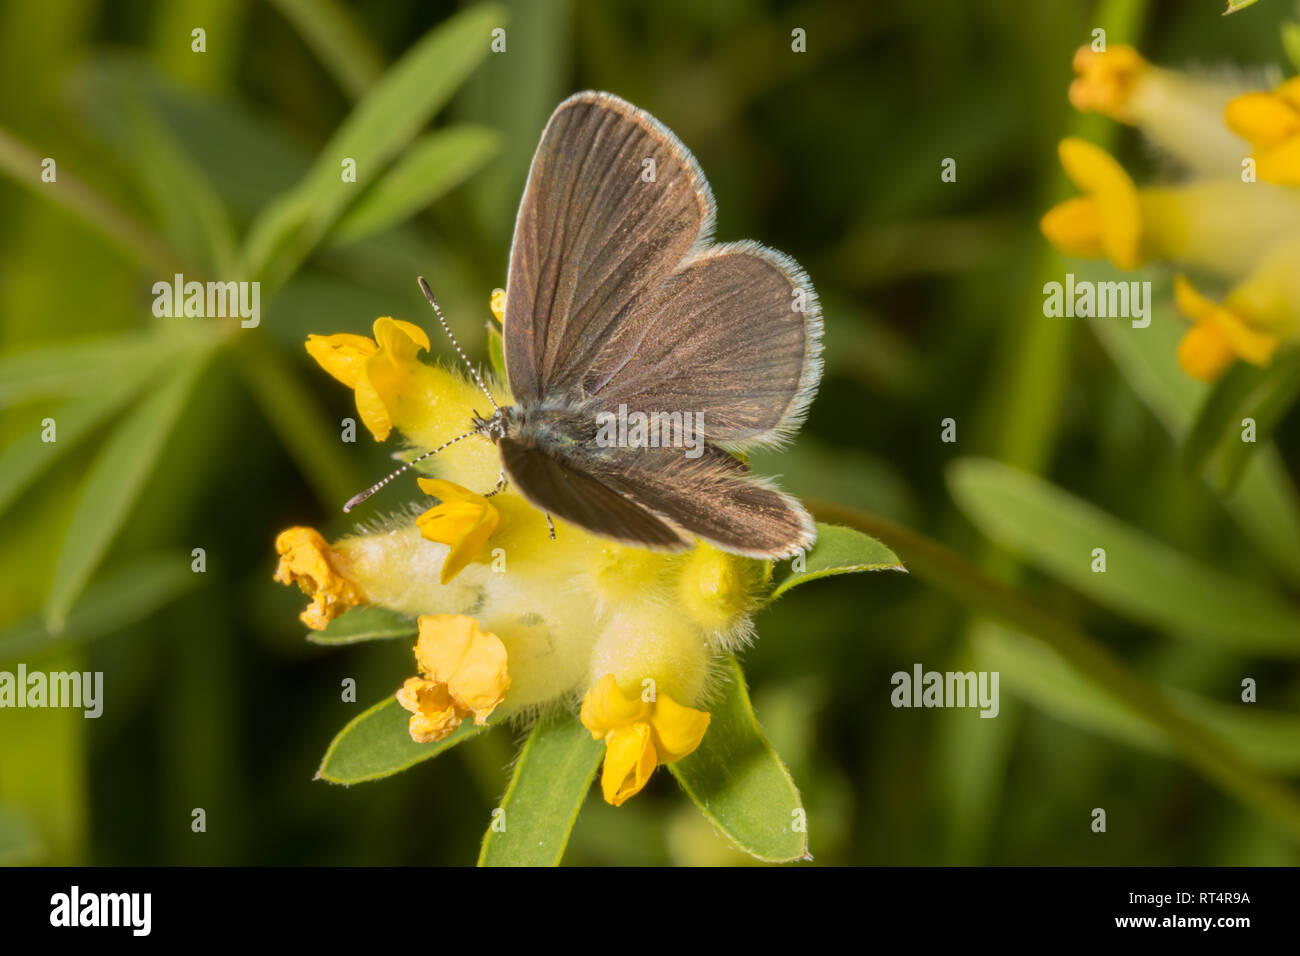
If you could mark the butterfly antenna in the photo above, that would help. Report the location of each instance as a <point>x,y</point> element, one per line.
<point>357,499</point>
<point>428,294</point>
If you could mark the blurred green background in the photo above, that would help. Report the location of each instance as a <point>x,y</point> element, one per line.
<point>177,434</point>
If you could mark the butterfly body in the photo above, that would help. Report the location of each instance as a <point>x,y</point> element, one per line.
<point>619,305</point>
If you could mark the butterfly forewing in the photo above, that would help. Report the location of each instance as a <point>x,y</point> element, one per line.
<point>613,203</point>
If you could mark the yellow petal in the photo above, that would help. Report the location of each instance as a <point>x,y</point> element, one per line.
<point>1200,357</point>
<point>433,716</point>
<point>1106,80</point>
<point>454,651</point>
<point>307,560</point>
<point>1204,352</point>
<point>388,373</point>
<point>444,641</point>
<point>498,305</point>
<point>372,409</point>
<point>1098,175</point>
<point>341,355</point>
<point>1281,163</point>
<point>1265,119</point>
<point>606,708</point>
<point>481,681</point>
<point>629,762</point>
<point>464,522</point>
<point>1074,227</point>
<point>678,729</point>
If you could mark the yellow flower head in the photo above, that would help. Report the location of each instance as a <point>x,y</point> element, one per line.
<point>1106,81</point>
<point>464,522</point>
<point>1107,220</point>
<point>306,559</point>
<point>1219,337</point>
<point>1271,122</point>
<point>378,369</point>
<point>462,672</point>
<point>639,735</point>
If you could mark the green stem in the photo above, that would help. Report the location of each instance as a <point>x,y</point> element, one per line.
<point>1203,750</point>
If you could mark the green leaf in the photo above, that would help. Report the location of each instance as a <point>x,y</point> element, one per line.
<point>365,624</point>
<point>81,368</point>
<point>338,41</point>
<point>29,456</point>
<point>113,603</point>
<point>434,165</point>
<point>116,479</point>
<point>377,744</point>
<point>1265,504</point>
<point>1031,670</point>
<point>1202,749</point>
<point>382,124</point>
<point>1245,391</point>
<point>837,551</point>
<point>740,784</point>
<point>1144,578</point>
<point>552,777</point>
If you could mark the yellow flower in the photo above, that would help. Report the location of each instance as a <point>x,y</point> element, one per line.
<point>1108,219</point>
<point>498,305</point>
<point>1106,80</point>
<point>1271,122</point>
<point>379,370</point>
<point>464,522</point>
<point>639,735</point>
<point>462,672</point>
<point>1219,337</point>
<point>307,560</point>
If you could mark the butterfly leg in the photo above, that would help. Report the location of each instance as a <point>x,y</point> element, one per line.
<point>550,525</point>
<point>501,484</point>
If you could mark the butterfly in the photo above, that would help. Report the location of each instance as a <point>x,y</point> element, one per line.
<point>617,299</point>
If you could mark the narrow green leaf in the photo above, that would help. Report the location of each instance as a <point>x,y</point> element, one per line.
<point>116,601</point>
<point>116,479</point>
<point>81,368</point>
<point>1265,504</point>
<point>29,456</point>
<point>740,784</point>
<point>837,551</point>
<point>381,125</point>
<point>338,41</point>
<point>1031,670</point>
<point>1144,578</point>
<point>365,624</point>
<point>1245,391</point>
<point>377,744</point>
<point>1202,749</point>
<point>552,777</point>
<point>433,166</point>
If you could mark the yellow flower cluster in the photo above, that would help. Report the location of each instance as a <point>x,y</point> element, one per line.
<point>1236,217</point>
<point>510,621</point>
